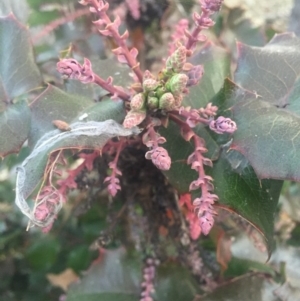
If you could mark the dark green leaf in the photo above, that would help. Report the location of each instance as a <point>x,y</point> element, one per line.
<point>238,267</point>
<point>216,63</point>
<point>115,276</point>
<point>43,17</point>
<point>18,75</point>
<point>18,72</point>
<point>180,174</point>
<point>118,276</point>
<point>175,282</point>
<point>247,288</point>
<point>17,7</point>
<point>55,104</point>
<point>41,255</point>
<point>79,258</point>
<point>14,126</point>
<point>266,107</point>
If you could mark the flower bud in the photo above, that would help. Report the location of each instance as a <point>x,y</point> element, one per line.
<point>150,85</point>
<point>152,102</point>
<point>137,102</point>
<point>167,102</point>
<point>177,84</point>
<point>160,158</point>
<point>134,118</point>
<point>223,125</point>
<point>176,60</point>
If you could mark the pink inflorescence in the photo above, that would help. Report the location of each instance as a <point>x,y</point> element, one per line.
<point>70,68</point>
<point>211,5</point>
<point>157,154</point>
<point>160,158</point>
<point>114,182</point>
<point>48,204</point>
<point>179,34</point>
<point>223,125</point>
<point>149,277</point>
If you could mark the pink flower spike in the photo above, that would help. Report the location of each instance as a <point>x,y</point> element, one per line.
<point>160,158</point>
<point>191,158</point>
<point>223,125</point>
<point>196,184</point>
<point>206,223</point>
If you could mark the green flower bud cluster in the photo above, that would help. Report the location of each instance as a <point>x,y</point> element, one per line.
<point>162,93</point>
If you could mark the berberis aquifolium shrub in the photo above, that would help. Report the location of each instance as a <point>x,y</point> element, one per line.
<point>223,144</point>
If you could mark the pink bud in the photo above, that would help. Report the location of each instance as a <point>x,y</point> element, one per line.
<point>223,125</point>
<point>134,118</point>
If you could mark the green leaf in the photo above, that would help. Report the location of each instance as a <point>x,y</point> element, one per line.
<point>18,71</point>
<point>240,190</point>
<point>42,254</point>
<point>216,63</point>
<point>248,288</point>
<point>18,75</point>
<point>55,104</point>
<point>180,174</point>
<point>18,8</point>
<point>115,277</point>
<point>79,258</point>
<point>266,107</point>
<point>14,126</point>
<point>43,17</point>
<point>118,276</point>
<point>82,135</point>
<point>175,282</point>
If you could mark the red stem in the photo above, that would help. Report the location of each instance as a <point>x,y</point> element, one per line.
<point>132,62</point>
<point>116,159</point>
<point>110,88</point>
<point>193,38</point>
<point>153,136</point>
<point>199,157</point>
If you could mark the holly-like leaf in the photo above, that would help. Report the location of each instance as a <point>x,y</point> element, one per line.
<point>81,135</point>
<point>266,107</point>
<point>18,75</point>
<point>117,276</point>
<point>55,104</point>
<point>114,277</point>
<point>240,190</point>
<point>216,63</point>
<point>18,71</point>
<point>18,8</point>
<point>252,287</point>
<point>14,126</point>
